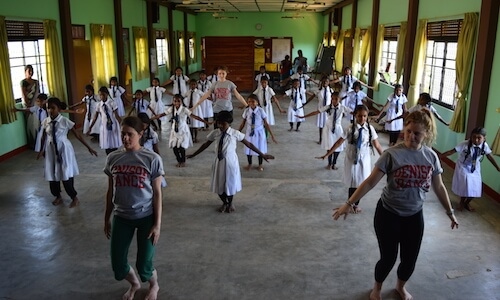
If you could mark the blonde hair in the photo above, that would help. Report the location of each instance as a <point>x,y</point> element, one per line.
<point>425,118</point>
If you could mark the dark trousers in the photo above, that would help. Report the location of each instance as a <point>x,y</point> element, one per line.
<point>180,154</point>
<point>55,188</point>
<point>108,151</point>
<point>393,232</point>
<point>249,158</point>
<point>332,158</point>
<point>393,136</point>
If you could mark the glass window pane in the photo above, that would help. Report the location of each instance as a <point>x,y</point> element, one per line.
<point>451,51</point>
<point>439,49</point>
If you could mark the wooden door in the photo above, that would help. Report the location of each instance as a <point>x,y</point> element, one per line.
<point>236,53</point>
<point>348,52</point>
<point>82,66</point>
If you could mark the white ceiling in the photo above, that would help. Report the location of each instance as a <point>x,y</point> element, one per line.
<point>255,5</point>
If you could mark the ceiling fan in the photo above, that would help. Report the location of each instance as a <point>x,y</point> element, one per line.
<point>296,15</point>
<point>194,3</point>
<point>221,16</point>
<point>308,2</point>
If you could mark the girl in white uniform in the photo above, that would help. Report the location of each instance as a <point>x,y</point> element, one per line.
<point>396,107</point>
<point>207,106</point>
<point>155,96</point>
<point>324,95</point>
<point>297,100</point>
<point>361,137</point>
<point>333,128</point>
<point>90,101</point>
<point>141,105</point>
<point>109,137</point>
<point>467,182</point>
<point>38,113</point>
<point>266,98</point>
<point>117,93</point>
<point>60,159</point>
<point>347,81</point>
<point>255,119</point>
<point>179,83</point>
<point>192,97</point>
<point>226,176</point>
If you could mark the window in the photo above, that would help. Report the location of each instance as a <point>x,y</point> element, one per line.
<point>439,69</point>
<point>192,47</point>
<point>389,51</point>
<point>26,46</point>
<point>161,48</point>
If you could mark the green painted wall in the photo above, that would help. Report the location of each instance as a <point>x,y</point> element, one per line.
<point>84,13</point>
<point>365,13</point>
<point>307,33</point>
<point>446,9</point>
<point>346,16</point>
<point>392,12</point>
<point>163,73</point>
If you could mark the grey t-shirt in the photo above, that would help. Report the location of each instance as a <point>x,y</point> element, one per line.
<point>409,176</point>
<point>133,173</point>
<point>222,91</point>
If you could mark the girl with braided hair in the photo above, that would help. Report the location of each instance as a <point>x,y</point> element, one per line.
<point>361,138</point>
<point>467,181</point>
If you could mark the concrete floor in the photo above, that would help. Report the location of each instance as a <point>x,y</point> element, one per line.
<point>280,244</point>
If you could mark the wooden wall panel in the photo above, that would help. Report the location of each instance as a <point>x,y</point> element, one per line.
<point>236,53</point>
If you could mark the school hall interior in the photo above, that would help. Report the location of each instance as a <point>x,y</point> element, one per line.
<point>281,243</point>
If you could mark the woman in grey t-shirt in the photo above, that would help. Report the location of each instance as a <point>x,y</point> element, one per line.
<point>411,168</point>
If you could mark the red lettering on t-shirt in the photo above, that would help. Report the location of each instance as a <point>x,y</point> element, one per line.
<point>411,176</point>
<point>129,175</point>
<point>222,93</point>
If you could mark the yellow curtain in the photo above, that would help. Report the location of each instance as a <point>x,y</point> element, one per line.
<point>465,54</point>
<point>331,39</point>
<point>417,62</point>
<point>378,55</point>
<point>339,51</point>
<point>325,39</point>
<point>141,52</point>
<point>54,61</point>
<point>102,54</point>
<point>6,95</point>
<point>400,50</point>
<point>167,50</point>
<point>365,53</point>
<point>355,51</point>
<point>181,50</point>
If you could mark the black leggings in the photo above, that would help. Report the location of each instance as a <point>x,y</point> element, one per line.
<point>249,158</point>
<point>332,158</point>
<point>394,136</point>
<point>180,154</point>
<point>228,200</point>
<point>395,231</point>
<point>109,150</point>
<point>55,188</point>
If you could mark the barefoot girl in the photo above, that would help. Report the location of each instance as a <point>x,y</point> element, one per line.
<point>134,196</point>
<point>60,159</point>
<point>411,168</point>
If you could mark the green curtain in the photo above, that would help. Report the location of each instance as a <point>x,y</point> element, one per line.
<point>400,50</point>
<point>54,61</point>
<point>465,55</point>
<point>339,51</point>
<point>378,56</point>
<point>6,94</point>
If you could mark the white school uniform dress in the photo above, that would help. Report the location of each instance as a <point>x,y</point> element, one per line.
<point>257,136</point>
<point>466,183</point>
<point>141,106</point>
<point>207,107</point>
<point>64,167</point>
<point>355,174</point>
<point>155,96</point>
<point>213,78</point>
<point>110,136</point>
<point>192,97</point>
<point>150,138</point>
<point>116,92</point>
<point>268,104</point>
<point>395,109</point>
<point>180,135</point>
<point>296,107</point>
<point>324,96</point>
<point>226,176</point>
<point>354,99</point>
<point>91,105</point>
<point>347,82</point>
<point>39,114</point>
<point>303,78</point>
<point>333,126</point>
<point>259,76</point>
<point>179,85</point>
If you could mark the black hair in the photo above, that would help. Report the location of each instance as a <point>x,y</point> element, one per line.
<point>193,81</point>
<point>299,68</point>
<point>347,79</point>
<point>353,125</point>
<point>179,96</point>
<point>426,97</point>
<point>89,87</point>
<point>56,102</point>
<point>203,72</point>
<point>113,78</point>
<point>254,97</point>
<point>157,79</point>
<point>323,79</point>
<point>357,84</point>
<point>396,86</point>
<point>179,68</point>
<point>147,132</point>
<point>134,122</point>
<point>224,116</point>
<point>42,96</point>
<point>28,67</point>
<point>104,90</point>
<point>477,130</point>
<point>138,91</point>
<point>264,78</point>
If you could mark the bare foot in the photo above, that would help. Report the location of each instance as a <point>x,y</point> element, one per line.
<point>290,129</point>
<point>229,208</point>
<point>75,202</point>
<point>297,130</point>
<point>328,167</point>
<point>469,208</point>
<point>153,287</point>
<point>178,165</point>
<point>334,167</point>
<point>375,294</point>
<point>319,142</point>
<point>135,285</point>
<point>260,168</point>
<point>57,201</point>
<point>248,167</point>
<point>222,208</point>
<point>403,293</point>
<point>182,165</point>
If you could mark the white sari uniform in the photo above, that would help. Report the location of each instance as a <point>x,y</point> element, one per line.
<point>268,107</point>
<point>297,100</point>
<point>259,133</point>
<point>395,102</point>
<point>466,183</point>
<point>109,138</point>
<point>192,97</point>
<point>116,92</point>
<point>207,105</point>
<point>330,136</point>
<point>181,137</point>
<point>65,167</point>
<point>355,174</point>
<point>226,176</point>
<point>156,102</point>
<point>38,114</point>
<point>323,102</point>
<point>91,106</point>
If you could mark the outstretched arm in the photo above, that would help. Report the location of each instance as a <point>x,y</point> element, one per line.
<point>377,146</point>
<point>256,150</point>
<point>93,122</point>
<point>201,149</point>
<point>240,98</point>
<point>199,119</point>
<point>449,152</point>
<point>493,162</point>
<point>275,100</point>
<point>313,113</point>
<point>335,146</point>
<point>242,125</point>
<point>79,137</point>
<point>442,194</point>
<point>203,98</point>
<point>269,130</point>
